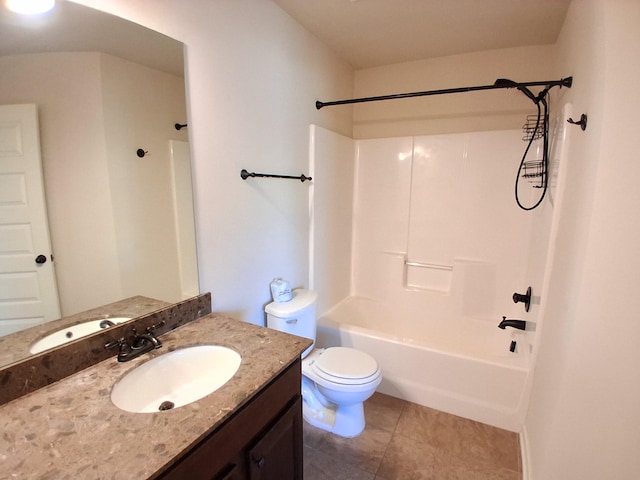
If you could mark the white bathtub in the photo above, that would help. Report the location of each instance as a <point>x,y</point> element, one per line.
<point>463,367</point>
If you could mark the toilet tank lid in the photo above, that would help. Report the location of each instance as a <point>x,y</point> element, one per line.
<point>301,300</point>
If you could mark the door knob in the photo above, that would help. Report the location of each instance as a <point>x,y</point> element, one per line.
<point>40,259</point>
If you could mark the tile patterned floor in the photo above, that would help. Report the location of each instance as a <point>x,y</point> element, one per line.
<point>405,441</point>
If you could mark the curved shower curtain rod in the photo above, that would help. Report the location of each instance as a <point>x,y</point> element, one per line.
<point>499,84</point>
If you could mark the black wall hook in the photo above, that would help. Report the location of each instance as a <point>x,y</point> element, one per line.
<point>141,153</point>
<point>582,122</point>
<point>180,125</point>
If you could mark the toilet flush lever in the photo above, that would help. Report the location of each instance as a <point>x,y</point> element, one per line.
<point>293,321</point>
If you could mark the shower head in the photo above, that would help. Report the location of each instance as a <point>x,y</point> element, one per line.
<point>506,83</point>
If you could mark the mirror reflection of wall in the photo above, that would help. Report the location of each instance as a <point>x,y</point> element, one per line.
<point>113,216</point>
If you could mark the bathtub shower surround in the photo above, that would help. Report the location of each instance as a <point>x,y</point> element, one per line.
<point>438,248</point>
<point>436,227</point>
<point>445,273</point>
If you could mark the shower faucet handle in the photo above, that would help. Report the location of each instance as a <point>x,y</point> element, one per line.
<point>523,298</point>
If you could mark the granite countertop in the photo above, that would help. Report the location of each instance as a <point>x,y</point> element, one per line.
<point>71,429</point>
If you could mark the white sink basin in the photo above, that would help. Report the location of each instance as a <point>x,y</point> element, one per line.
<point>67,334</point>
<point>175,379</point>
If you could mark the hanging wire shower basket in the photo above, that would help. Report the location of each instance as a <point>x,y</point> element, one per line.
<point>532,170</point>
<point>533,128</point>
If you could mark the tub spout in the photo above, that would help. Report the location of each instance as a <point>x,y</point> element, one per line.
<point>519,324</point>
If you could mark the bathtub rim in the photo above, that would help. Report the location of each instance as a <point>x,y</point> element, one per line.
<point>519,362</point>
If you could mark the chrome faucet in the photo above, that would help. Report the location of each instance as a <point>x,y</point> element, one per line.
<point>519,324</point>
<point>140,344</point>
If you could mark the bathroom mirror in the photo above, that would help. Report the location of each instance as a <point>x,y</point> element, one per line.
<point>121,224</point>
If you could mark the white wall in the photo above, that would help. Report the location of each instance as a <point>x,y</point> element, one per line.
<point>253,75</point>
<point>583,421</point>
<point>463,112</point>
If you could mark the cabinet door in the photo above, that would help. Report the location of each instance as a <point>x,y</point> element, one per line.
<point>278,452</point>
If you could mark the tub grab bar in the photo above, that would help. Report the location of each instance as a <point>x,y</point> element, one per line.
<point>434,266</point>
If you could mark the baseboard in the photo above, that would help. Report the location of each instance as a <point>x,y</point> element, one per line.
<point>524,454</point>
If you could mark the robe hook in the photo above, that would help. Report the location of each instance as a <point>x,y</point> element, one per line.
<point>582,122</point>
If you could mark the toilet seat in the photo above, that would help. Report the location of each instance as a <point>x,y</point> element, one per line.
<point>344,366</point>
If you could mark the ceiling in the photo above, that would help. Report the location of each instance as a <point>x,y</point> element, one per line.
<point>366,33</point>
<point>75,28</point>
<point>371,33</point>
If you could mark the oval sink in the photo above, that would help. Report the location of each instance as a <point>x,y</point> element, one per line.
<point>73,332</point>
<point>175,379</point>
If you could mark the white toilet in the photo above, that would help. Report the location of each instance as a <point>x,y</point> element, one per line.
<point>336,380</point>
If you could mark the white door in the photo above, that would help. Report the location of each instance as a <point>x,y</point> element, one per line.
<point>28,293</point>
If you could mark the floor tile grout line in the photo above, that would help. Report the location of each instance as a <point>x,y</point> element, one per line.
<point>393,433</point>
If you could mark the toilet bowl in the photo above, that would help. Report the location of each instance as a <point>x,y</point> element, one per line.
<point>335,380</point>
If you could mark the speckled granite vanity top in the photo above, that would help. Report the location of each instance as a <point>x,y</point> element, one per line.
<point>71,429</point>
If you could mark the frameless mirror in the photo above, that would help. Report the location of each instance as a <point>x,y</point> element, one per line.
<point>110,107</point>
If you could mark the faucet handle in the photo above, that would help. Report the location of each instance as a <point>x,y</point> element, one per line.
<point>114,343</point>
<point>155,326</point>
<point>524,298</point>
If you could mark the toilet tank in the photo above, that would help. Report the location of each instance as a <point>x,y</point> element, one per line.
<point>297,316</point>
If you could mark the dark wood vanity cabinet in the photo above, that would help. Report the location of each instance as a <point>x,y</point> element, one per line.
<point>262,440</point>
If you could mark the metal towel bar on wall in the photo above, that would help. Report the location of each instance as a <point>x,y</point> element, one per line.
<point>244,174</point>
